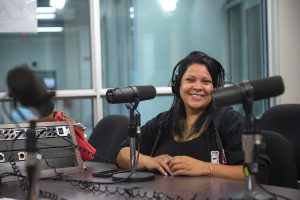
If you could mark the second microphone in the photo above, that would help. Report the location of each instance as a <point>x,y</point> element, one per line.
<point>130,94</point>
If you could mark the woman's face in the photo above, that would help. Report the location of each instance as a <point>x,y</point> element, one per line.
<point>196,87</point>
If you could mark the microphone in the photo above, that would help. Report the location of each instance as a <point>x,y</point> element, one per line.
<point>30,91</point>
<point>260,89</point>
<point>130,94</point>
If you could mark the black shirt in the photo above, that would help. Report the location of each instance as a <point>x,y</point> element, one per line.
<point>196,148</point>
<point>224,132</point>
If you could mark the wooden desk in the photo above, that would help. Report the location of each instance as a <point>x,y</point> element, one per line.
<point>175,187</point>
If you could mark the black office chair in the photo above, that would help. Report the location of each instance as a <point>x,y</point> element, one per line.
<point>107,136</point>
<point>282,168</point>
<point>285,119</point>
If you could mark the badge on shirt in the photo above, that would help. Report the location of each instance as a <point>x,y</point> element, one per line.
<point>214,157</point>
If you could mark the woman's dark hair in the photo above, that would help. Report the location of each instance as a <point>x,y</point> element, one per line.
<point>178,114</point>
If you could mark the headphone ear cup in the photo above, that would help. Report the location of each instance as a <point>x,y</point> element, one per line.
<point>174,85</point>
<point>174,81</point>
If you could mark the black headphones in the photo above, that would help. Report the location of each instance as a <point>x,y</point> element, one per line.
<point>174,80</point>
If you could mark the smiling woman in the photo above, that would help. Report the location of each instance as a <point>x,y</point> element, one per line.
<point>192,138</point>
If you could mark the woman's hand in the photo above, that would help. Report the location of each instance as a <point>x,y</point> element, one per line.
<point>185,165</point>
<point>159,163</point>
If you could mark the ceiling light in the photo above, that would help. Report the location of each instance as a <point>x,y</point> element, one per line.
<point>59,4</point>
<point>50,29</point>
<point>45,16</point>
<point>168,5</point>
<point>131,9</point>
<point>45,10</point>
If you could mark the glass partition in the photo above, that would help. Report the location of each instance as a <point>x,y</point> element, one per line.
<point>61,56</point>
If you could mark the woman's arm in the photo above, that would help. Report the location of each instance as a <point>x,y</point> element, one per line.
<point>228,171</point>
<point>158,163</point>
<point>184,165</point>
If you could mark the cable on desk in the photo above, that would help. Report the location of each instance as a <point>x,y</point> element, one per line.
<point>48,195</point>
<point>24,188</point>
<point>21,179</point>
<point>96,186</point>
<point>132,192</point>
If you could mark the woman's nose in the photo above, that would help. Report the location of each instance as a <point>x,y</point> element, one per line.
<point>198,86</point>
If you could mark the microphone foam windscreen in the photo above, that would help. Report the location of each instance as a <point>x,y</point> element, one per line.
<point>25,87</point>
<point>29,90</point>
<point>146,92</point>
<point>267,87</point>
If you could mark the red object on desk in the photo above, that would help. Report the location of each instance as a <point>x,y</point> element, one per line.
<point>87,151</point>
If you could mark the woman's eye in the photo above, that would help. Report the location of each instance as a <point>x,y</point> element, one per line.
<point>189,80</point>
<point>207,82</point>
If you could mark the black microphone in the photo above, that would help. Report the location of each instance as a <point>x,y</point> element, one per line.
<point>260,89</point>
<point>130,94</point>
<point>29,90</point>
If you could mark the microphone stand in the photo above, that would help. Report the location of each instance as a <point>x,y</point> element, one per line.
<point>32,163</point>
<point>250,166</point>
<point>134,132</point>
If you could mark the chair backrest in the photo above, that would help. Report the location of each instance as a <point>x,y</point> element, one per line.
<point>285,119</point>
<point>108,134</point>
<point>282,170</point>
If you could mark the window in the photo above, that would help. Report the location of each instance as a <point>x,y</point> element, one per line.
<point>247,38</point>
<point>61,59</point>
<point>66,53</point>
<point>143,40</point>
